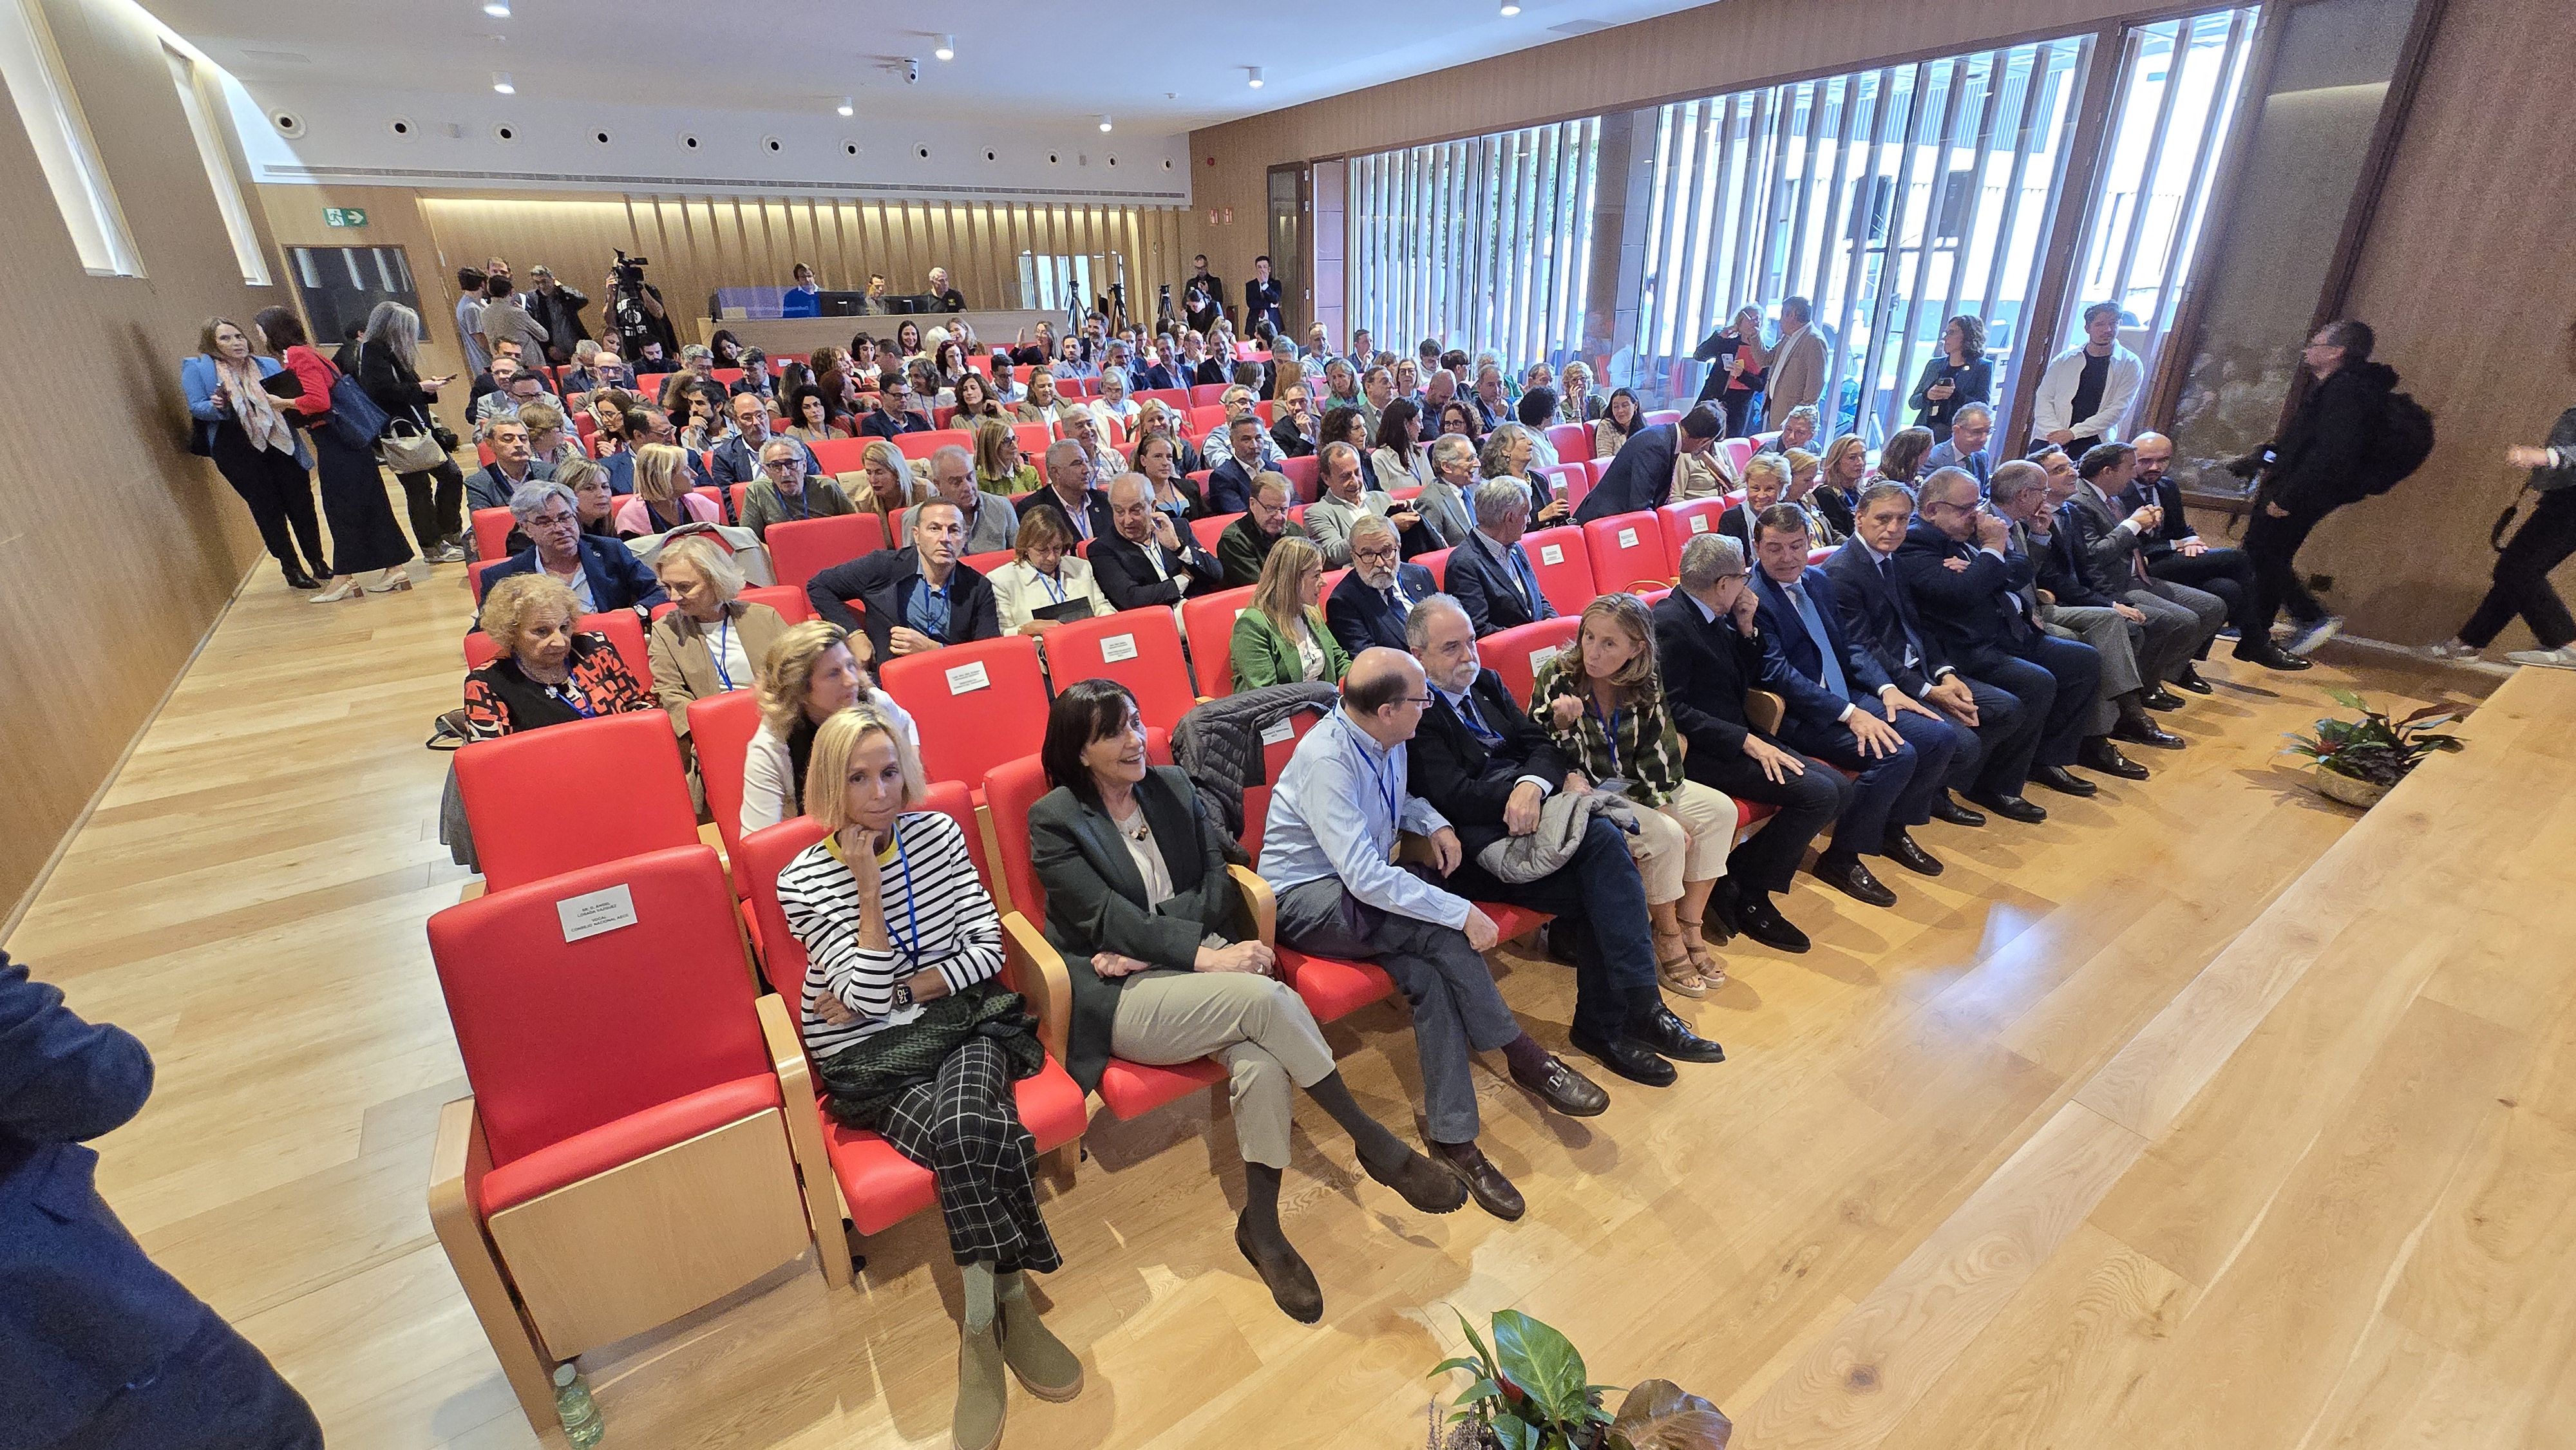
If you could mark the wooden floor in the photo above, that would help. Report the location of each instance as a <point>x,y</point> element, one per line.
<point>2200,1116</point>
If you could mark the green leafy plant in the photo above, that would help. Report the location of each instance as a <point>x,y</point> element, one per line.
<point>2374,748</point>
<point>1528,1392</point>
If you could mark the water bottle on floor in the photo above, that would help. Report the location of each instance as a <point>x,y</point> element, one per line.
<point>574,1406</point>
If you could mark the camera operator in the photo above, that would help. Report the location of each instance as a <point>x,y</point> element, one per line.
<point>635,311</point>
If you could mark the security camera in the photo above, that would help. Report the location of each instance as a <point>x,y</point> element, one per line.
<point>911,71</point>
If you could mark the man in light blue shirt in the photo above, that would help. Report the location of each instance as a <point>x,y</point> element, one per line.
<point>1325,849</point>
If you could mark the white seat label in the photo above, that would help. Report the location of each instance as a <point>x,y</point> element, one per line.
<point>1118,647</point>
<point>965,679</point>
<point>1551,553</point>
<point>593,912</point>
<point>1627,538</point>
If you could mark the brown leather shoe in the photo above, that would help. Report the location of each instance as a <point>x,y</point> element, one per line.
<point>1564,1089</point>
<point>1485,1182</point>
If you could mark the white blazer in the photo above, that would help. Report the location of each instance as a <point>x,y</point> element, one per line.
<point>2056,400</point>
<point>1019,592</point>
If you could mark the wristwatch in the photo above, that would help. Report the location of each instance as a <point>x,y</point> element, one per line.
<point>903,994</point>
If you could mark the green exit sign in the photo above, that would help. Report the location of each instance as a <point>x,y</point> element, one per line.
<point>343,216</point>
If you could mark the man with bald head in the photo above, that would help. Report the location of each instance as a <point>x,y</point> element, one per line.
<point>1146,558</point>
<point>2176,553</point>
<point>1325,850</point>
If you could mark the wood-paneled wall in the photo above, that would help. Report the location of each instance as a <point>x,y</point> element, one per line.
<point>119,548</point>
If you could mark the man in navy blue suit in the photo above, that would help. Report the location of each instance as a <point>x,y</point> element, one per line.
<point>1958,566</point>
<point>1490,574</point>
<point>1641,477</point>
<point>1369,606</point>
<point>1845,711</point>
<point>98,1347</point>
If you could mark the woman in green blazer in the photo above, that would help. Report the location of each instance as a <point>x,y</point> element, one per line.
<point>1160,952</point>
<point>1281,638</point>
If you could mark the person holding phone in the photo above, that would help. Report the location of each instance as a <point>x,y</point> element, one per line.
<point>1954,377</point>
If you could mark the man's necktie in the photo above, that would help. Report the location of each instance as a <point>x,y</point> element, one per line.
<point>1476,721</point>
<point>1833,679</point>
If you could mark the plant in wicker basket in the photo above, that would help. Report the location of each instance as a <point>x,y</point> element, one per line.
<point>1528,1393</point>
<point>2375,750</point>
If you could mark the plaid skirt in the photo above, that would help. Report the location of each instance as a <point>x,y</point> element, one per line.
<point>964,1128</point>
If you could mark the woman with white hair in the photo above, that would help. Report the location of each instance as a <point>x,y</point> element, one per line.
<point>1113,404</point>
<point>1511,452</point>
<point>1576,402</point>
<point>711,640</point>
<point>811,672</point>
<point>388,372</point>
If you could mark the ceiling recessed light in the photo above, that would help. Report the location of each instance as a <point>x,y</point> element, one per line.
<point>501,83</point>
<point>1104,123</point>
<point>1255,78</point>
<point>947,49</point>
<point>1511,7</point>
<point>497,9</point>
<point>845,106</point>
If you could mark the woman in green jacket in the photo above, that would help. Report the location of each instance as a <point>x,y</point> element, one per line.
<point>1281,638</point>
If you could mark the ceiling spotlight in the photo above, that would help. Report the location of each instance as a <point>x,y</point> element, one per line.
<point>1511,7</point>
<point>501,83</point>
<point>1104,123</point>
<point>1255,79</point>
<point>845,106</point>
<point>497,9</point>
<point>947,49</point>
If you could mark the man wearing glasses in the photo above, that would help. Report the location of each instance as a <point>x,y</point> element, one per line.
<point>738,457</point>
<point>789,489</point>
<point>1371,603</point>
<point>894,416</point>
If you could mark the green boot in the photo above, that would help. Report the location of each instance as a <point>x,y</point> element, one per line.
<point>982,1396</point>
<point>1046,1368</point>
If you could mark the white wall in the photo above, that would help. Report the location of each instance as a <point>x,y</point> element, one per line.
<point>345,135</point>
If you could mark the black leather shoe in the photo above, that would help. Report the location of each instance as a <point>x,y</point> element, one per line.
<point>1717,918</point>
<point>2013,808</point>
<point>1567,1091</point>
<point>2161,698</point>
<point>2065,782</point>
<point>2190,680</point>
<point>1670,1036</point>
<point>1485,1182</point>
<point>1950,813</point>
<point>1559,945</point>
<point>2145,732</point>
<point>1632,1060</point>
<point>1846,875</point>
<point>2271,659</point>
<point>2099,754</point>
<point>1900,848</point>
<point>1757,919</point>
<point>298,579</point>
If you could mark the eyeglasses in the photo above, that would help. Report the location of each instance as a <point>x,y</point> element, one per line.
<point>1374,556</point>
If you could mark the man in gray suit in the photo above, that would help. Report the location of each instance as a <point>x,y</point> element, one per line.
<point>2113,539</point>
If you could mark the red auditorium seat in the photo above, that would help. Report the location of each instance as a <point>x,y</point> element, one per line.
<point>620,625</point>
<point>1207,395</point>
<point>791,604</point>
<point>1129,1088</point>
<point>720,731</point>
<point>1516,653</point>
<point>1208,622</point>
<point>1687,519</point>
<point>492,533</point>
<point>1213,527</point>
<point>1563,566</point>
<point>1437,561</point>
<point>922,445</point>
<point>978,704</point>
<point>1168,397</point>
<point>1306,475</point>
<point>1139,648</point>
<point>1663,415</point>
<point>1739,452</point>
<point>1628,550</point>
<point>881,1186</point>
<point>668,1118</point>
<point>839,455</point>
<point>1032,438</point>
<point>542,802</point>
<point>1572,441</point>
<point>799,549</point>
<point>1569,482</point>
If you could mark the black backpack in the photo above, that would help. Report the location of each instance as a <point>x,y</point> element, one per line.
<point>2402,440</point>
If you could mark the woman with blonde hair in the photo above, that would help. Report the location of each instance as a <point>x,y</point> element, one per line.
<point>1602,701</point>
<point>904,1018</point>
<point>1154,416</point>
<point>1839,475</point>
<point>663,499</point>
<point>999,468</point>
<point>892,486</point>
<point>1281,639</point>
<point>812,671</point>
<point>1801,488</point>
<point>1044,572</point>
<point>1577,403</point>
<point>546,673</point>
<point>239,424</point>
<point>712,640</point>
<point>1742,371</point>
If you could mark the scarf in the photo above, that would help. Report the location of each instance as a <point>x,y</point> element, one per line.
<point>253,409</point>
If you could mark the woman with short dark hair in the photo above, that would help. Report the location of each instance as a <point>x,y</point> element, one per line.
<point>1953,377</point>
<point>1166,968</point>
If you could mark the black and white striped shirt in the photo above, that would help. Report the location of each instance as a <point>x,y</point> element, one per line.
<point>934,903</point>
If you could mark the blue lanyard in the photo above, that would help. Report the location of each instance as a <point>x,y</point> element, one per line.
<point>1385,791</point>
<point>1054,589</point>
<point>724,646</point>
<point>911,922</point>
<point>570,696</point>
<point>1609,727</point>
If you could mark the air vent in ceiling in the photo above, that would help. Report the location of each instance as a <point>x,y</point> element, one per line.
<point>1578,27</point>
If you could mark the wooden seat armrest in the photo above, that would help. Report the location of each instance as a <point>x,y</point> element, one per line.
<point>1039,974</point>
<point>821,1191</point>
<point>1764,710</point>
<point>1261,901</point>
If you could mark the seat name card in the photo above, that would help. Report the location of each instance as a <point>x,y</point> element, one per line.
<point>593,912</point>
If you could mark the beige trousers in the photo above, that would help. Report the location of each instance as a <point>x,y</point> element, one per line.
<point>1257,1026</point>
<point>1686,840</point>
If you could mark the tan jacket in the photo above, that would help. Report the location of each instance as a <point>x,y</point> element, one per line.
<point>684,663</point>
<point>1797,373</point>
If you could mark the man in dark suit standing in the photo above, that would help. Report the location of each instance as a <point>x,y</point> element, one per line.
<point>915,598</point>
<point>1844,710</point>
<point>102,1347</point>
<point>1146,558</point>
<point>1261,298</point>
<point>1480,761</point>
<point>1641,477</point>
<point>1713,657</point>
<point>1370,604</point>
<point>1878,616</point>
<point>1964,584</point>
<point>1490,575</point>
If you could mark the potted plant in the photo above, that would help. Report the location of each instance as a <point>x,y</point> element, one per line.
<point>2357,761</point>
<point>1529,1393</point>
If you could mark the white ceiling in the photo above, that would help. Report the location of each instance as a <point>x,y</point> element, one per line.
<point>1158,66</point>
